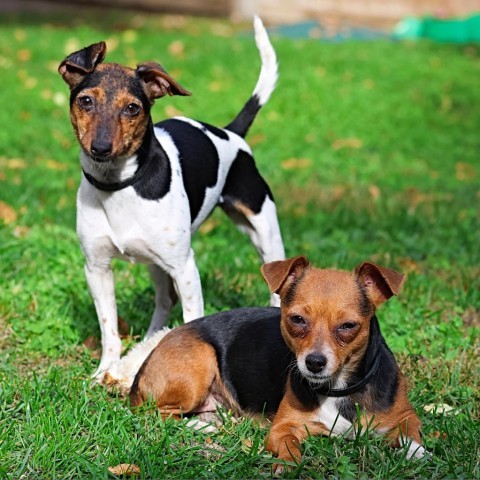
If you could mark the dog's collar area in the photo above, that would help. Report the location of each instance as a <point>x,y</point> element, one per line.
<point>143,165</point>
<point>115,186</point>
<point>374,348</point>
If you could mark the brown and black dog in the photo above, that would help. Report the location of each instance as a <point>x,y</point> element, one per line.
<point>313,364</point>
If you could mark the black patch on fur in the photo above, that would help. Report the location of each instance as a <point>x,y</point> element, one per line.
<point>303,390</point>
<point>243,121</point>
<point>366,306</point>
<point>380,393</point>
<point>218,132</point>
<point>198,159</point>
<point>252,356</point>
<point>245,185</point>
<point>289,296</point>
<point>154,168</point>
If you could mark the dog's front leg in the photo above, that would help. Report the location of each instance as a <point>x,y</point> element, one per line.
<point>188,287</point>
<point>102,288</point>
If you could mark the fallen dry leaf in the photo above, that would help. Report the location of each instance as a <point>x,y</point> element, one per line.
<point>176,48</point>
<point>256,139</point>
<point>71,45</point>
<point>464,171</point>
<point>347,143</point>
<point>129,36</point>
<point>216,86</point>
<point>125,469</point>
<point>20,35</point>
<point>90,342</point>
<point>112,44</point>
<point>374,192</point>
<point>21,231</point>
<point>13,163</point>
<point>54,165</point>
<point>471,317</point>
<point>408,265</point>
<point>222,30</point>
<point>123,327</point>
<point>209,225</point>
<point>296,163</point>
<point>368,84</point>
<point>171,111</point>
<point>24,55</point>
<point>7,213</point>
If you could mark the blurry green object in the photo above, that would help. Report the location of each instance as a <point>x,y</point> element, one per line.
<point>456,30</point>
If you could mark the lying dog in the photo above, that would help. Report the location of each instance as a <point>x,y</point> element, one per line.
<point>147,188</point>
<point>310,363</point>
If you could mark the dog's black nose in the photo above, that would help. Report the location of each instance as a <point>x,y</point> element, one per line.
<point>101,148</point>
<point>315,363</point>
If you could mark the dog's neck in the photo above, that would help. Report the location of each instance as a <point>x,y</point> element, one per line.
<point>124,172</point>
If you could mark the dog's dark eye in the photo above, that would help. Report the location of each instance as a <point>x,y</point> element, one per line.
<point>85,102</point>
<point>132,109</point>
<point>297,320</point>
<point>347,326</point>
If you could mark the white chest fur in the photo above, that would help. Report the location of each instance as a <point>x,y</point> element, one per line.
<point>122,224</point>
<point>329,415</point>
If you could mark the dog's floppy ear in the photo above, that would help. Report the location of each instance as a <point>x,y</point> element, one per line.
<point>380,282</point>
<point>281,273</point>
<point>158,82</point>
<point>78,64</point>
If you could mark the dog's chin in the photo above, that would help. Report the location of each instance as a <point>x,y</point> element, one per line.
<point>316,379</point>
<point>101,160</point>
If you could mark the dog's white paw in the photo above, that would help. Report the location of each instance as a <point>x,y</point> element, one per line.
<point>415,450</point>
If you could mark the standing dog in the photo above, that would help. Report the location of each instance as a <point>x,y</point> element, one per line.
<point>147,188</point>
<point>314,364</point>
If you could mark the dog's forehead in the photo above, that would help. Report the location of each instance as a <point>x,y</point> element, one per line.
<point>320,288</point>
<point>112,79</point>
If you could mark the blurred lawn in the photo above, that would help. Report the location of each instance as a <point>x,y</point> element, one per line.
<point>371,150</point>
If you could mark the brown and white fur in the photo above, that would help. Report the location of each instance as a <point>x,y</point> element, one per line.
<point>311,365</point>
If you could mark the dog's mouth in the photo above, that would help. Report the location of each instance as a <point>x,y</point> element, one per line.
<point>316,379</point>
<point>102,159</point>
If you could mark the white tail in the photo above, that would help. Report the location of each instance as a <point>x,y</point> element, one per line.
<point>269,72</point>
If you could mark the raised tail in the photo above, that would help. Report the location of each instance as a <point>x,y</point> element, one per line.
<point>265,84</point>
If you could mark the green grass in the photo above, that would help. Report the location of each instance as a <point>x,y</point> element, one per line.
<point>371,150</point>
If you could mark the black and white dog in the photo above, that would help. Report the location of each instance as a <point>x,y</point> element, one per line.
<point>147,188</point>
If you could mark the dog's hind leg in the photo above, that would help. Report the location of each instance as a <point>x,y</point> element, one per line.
<point>178,375</point>
<point>248,201</point>
<point>165,298</point>
<point>188,287</point>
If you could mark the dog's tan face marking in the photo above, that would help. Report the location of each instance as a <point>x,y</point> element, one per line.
<point>107,110</point>
<point>325,317</point>
<point>110,104</point>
